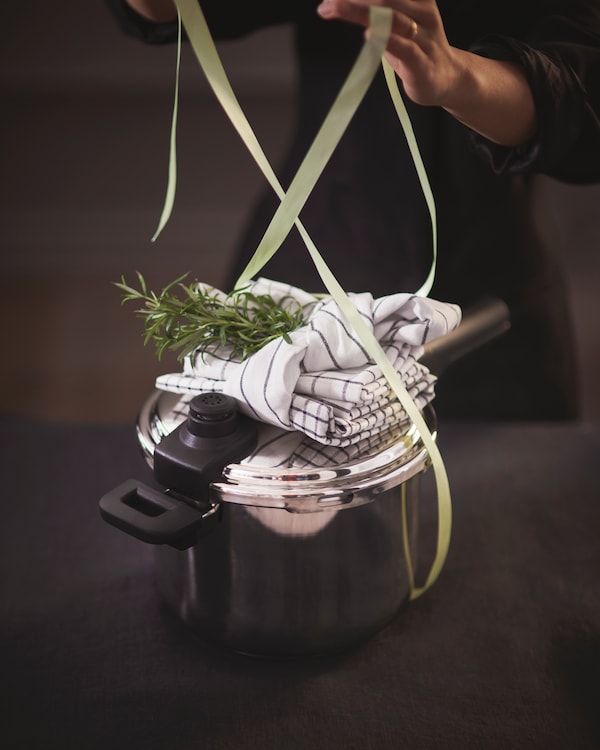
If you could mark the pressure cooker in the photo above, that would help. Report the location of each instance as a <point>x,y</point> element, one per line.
<point>274,557</point>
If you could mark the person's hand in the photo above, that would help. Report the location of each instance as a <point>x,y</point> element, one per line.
<point>418,50</point>
<point>492,97</point>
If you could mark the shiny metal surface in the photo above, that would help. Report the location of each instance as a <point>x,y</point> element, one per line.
<point>303,561</point>
<point>272,594</point>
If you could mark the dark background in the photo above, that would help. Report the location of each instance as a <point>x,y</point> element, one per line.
<point>84,146</point>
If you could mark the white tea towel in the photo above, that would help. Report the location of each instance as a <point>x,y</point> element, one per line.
<point>322,382</point>
<point>278,448</point>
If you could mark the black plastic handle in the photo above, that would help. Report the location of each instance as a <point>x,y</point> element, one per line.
<point>155,517</point>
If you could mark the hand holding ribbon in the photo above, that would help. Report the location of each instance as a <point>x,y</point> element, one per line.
<point>489,96</point>
<point>417,49</point>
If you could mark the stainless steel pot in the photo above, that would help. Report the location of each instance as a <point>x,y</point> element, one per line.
<point>278,561</point>
<point>272,558</point>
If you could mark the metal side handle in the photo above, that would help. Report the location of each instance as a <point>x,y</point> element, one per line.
<point>481,323</point>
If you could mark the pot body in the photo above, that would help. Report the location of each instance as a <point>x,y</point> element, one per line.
<point>298,549</point>
<point>269,582</point>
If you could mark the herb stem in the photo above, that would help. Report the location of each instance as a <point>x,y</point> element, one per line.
<point>202,320</point>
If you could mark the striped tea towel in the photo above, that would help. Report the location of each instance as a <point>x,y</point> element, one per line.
<point>322,382</point>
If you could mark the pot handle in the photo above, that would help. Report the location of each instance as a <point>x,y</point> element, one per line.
<point>156,517</point>
<point>481,323</point>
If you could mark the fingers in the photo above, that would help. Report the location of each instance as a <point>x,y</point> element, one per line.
<point>417,49</point>
<point>357,12</point>
<point>344,10</point>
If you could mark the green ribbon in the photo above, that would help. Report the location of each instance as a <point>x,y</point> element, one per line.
<point>409,133</point>
<point>292,201</point>
<point>172,181</point>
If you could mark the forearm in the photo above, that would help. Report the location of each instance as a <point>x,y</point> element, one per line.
<point>493,98</point>
<point>159,11</point>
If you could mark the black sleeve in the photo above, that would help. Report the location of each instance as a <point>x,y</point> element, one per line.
<point>561,59</point>
<point>226,20</point>
<point>136,26</point>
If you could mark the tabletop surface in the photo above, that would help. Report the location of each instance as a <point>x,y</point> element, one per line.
<point>502,652</point>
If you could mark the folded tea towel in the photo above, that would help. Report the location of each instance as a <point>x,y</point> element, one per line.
<point>322,382</point>
<point>279,448</point>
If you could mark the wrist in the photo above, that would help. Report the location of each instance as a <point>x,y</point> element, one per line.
<point>493,98</point>
<point>464,88</point>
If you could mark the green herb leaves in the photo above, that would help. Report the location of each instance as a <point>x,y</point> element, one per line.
<point>192,317</point>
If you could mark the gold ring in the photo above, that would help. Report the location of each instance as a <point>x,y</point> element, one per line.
<point>414,29</point>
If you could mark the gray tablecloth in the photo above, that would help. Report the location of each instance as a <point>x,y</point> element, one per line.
<point>503,652</point>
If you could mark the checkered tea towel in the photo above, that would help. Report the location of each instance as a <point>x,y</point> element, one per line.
<point>322,382</point>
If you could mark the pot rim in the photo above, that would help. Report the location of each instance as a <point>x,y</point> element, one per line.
<point>308,489</point>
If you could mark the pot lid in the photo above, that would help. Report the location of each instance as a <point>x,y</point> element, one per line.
<point>292,471</point>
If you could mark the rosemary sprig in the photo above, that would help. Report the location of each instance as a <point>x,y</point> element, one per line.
<point>202,320</point>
